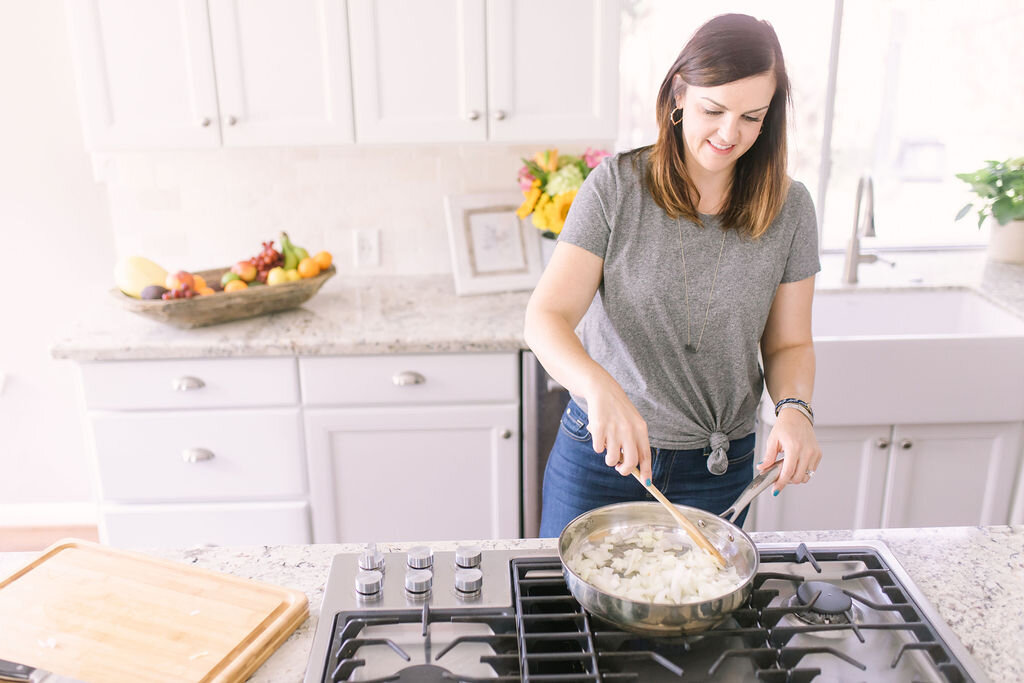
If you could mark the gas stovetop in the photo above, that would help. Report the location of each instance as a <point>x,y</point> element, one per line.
<point>842,611</point>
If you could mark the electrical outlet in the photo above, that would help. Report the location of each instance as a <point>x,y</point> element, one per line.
<point>366,248</point>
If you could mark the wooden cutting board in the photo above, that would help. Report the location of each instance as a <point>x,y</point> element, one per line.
<point>101,614</point>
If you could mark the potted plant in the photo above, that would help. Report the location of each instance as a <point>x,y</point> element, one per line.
<point>1000,186</point>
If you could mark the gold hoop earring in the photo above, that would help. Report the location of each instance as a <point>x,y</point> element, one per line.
<point>672,116</point>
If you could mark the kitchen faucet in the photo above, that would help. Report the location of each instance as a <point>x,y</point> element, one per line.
<point>861,228</point>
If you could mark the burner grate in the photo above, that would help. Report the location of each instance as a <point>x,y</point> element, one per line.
<point>343,662</point>
<point>558,640</point>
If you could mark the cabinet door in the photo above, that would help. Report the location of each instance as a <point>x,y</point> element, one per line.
<point>400,474</point>
<point>847,489</point>
<point>952,474</point>
<point>418,70</point>
<point>180,526</point>
<point>144,72</point>
<point>282,71</point>
<point>552,69</point>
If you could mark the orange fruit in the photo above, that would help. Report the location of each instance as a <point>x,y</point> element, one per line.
<point>308,268</point>
<point>205,291</point>
<point>235,286</point>
<point>200,282</point>
<point>323,259</point>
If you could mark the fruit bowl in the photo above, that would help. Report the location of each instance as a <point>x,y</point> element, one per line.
<point>223,307</point>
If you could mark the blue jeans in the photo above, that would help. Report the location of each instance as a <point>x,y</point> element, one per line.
<point>576,478</point>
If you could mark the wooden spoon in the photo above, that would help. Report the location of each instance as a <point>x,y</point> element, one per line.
<point>689,527</point>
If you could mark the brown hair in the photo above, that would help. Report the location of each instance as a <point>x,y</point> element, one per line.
<point>726,49</point>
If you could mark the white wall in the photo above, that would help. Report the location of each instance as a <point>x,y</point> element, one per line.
<point>196,209</point>
<point>57,249</point>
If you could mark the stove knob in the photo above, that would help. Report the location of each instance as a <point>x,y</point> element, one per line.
<point>468,580</point>
<point>371,558</point>
<point>421,557</point>
<point>468,556</point>
<point>369,582</point>
<point>418,580</point>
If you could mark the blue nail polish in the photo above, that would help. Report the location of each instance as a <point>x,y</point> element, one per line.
<point>648,482</point>
<point>760,461</point>
<point>775,493</point>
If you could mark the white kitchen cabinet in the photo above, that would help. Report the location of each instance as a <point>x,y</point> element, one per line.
<point>197,451</point>
<point>145,73</point>
<point>847,490</point>
<point>952,474</point>
<point>424,472</point>
<point>187,73</point>
<point>885,476</point>
<point>404,447</point>
<point>199,524</point>
<point>476,70</point>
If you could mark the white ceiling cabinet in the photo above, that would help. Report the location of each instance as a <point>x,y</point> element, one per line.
<point>484,70</point>
<point>192,73</point>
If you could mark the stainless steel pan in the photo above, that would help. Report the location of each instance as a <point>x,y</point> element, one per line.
<point>663,619</point>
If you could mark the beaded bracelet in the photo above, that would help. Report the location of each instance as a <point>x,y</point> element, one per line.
<point>794,401</point>
<point>796,406</point>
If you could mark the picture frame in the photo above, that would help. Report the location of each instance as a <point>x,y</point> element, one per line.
<point>492,249</point>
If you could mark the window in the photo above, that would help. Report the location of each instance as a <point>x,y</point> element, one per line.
<point>925,89</point>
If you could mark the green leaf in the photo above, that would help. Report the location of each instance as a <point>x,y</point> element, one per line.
<point>1003,210</point>
<point>963,212</point>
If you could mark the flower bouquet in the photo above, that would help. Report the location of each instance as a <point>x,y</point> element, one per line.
<point>550,182</point>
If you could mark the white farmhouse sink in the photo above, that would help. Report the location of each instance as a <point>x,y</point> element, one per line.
<point>911,313</point>
<point>916,356</point>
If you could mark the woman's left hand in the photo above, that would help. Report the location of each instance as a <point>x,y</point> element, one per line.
<point>792,435</point>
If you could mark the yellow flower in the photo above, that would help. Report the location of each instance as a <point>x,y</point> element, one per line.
<point>547,160</point>
<point>530,202</point>
<point>558,210</point>
<point>540,217</point>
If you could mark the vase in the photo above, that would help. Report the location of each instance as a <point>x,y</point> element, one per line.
<point>1006,242</point>
<point>547,248</point>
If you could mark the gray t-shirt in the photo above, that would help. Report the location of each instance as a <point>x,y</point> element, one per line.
<point>636,326</point>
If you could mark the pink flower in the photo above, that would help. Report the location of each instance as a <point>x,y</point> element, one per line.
<point>592,157</point>
<point>526,179</point>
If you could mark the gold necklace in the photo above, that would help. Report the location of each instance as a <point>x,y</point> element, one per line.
<point>686,290</point>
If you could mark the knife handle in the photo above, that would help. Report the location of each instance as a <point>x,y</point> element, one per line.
<point>15,673</point>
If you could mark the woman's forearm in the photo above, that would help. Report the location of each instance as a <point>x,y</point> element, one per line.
<point>789,372</point>
<point>554,342</point>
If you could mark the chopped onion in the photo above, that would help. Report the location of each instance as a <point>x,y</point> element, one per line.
<point>644,564</point>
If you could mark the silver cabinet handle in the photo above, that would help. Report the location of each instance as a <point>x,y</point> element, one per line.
<point>206,121</point>
<point>407,378</point>
<point>196,454</point>
<point>187,383</point>
<point>507,434</point>
<point>473,115</point>
<point>882,443</point>
<point>906,444</point>
<point>499,115</point>
<point>232,120</point>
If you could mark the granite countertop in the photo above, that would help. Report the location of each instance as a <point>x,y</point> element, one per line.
<point>973,576</point>
<point>422,314</point>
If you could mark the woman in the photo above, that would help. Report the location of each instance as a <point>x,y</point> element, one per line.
<point>678,262</point>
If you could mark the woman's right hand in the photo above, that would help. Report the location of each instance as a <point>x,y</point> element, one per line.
<point>617,429</point>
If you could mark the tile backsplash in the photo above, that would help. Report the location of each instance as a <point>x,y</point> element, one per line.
<point>196,209</point>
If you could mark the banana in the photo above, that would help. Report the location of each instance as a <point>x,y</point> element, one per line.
<point>288,250</point>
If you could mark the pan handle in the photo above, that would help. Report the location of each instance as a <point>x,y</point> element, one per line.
<point>753,490</point>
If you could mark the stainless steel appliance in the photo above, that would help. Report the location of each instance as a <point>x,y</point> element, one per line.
<point>544,399</point>
<point>843,611</point>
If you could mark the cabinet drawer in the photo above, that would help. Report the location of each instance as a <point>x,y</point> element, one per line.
<point>215,455</point>
<point>169,526</point>
<point>200,383</point>
<point>410,379</point>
